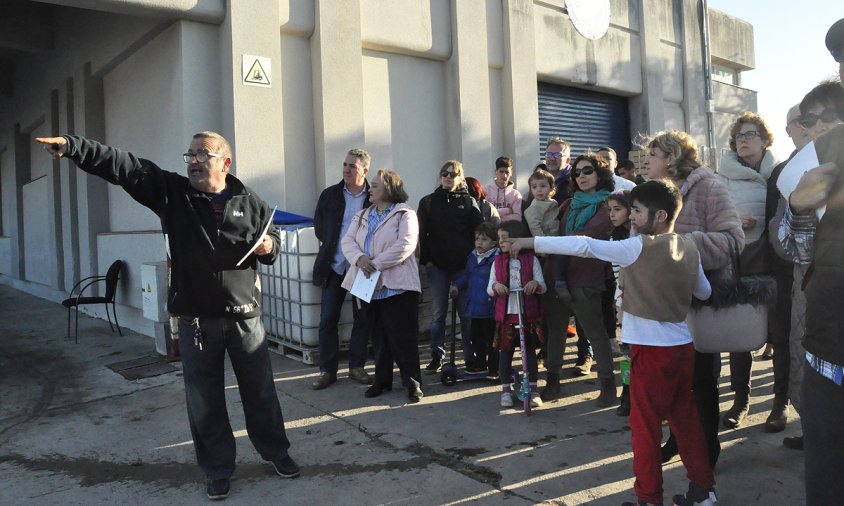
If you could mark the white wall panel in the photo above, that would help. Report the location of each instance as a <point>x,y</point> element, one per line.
<point>142,114</point>
<point>416,118</point>
<point>40,260</point>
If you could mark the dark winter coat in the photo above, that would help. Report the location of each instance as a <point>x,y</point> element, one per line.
<point>205,281</point>
<point>447,222</point>
<point>328,222</point>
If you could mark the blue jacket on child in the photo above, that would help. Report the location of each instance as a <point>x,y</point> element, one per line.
<point>476,277</point>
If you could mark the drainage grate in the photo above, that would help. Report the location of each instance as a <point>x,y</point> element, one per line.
<point>143,367</point>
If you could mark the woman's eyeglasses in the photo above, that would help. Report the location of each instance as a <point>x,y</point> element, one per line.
<point>748,136</point>
<point>811,119</point>
<point>446,173</point>
<point>584,171</point>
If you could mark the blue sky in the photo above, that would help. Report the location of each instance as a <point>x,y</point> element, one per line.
<point>791,57</point>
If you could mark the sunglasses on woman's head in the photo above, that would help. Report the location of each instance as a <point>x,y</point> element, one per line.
<point>811,119</point>
<point>448,174</point>
<point>585,171</point>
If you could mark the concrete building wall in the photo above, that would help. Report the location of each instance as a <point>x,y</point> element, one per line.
<point>415,82</point>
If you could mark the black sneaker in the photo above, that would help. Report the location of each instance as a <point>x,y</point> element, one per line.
<point>285,467</point>
<point>434,366</point>
<point>696,496</point>
<point>793,442</point>
<point>218,489</point>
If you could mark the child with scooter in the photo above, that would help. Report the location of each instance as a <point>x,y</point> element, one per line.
<point>480,306</point>
<point>661,272</point>
<point>509,273</point>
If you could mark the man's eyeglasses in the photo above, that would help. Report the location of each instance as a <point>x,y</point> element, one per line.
<point>811,119</point>
<point>585,171</point>
<point>445,173</point>
<point>794,120</point>
<point>200,156</point>
<point>748,136</point>
<point>553,155</point>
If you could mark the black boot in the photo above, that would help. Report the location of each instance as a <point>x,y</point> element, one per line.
<point>609,393</point>
<point>735,416</point>
<point>624,407</point>
<point>779,416</point>
<point>551,391</point>
<point>434,365</point>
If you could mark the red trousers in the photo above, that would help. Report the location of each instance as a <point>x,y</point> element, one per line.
<point>661,389</point>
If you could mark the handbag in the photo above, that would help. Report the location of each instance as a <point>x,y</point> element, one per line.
<point>735,317</point>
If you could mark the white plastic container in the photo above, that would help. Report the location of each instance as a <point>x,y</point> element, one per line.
<point>291,301</point>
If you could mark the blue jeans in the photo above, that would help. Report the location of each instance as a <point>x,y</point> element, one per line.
<point>439,282</point>
<point>333,296</point>
<point>205,384</point>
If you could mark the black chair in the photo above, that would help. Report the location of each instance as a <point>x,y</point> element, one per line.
<point>110,279</point>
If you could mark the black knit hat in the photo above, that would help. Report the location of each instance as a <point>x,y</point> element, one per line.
<point>835,40</point>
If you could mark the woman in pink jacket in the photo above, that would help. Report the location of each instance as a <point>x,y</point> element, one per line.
<point>383,239</point>
<point>710,219</point>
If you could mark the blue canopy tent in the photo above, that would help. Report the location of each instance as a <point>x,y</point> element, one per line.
<point>284,218</point>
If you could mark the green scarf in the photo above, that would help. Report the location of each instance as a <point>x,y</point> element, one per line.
<point>583,208</point>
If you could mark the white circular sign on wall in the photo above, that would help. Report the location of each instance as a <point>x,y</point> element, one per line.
<point>591,18</point>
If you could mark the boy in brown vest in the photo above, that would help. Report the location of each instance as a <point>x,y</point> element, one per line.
<point>660,272</point>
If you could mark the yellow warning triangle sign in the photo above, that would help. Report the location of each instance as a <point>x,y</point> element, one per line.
<point>257,74</point>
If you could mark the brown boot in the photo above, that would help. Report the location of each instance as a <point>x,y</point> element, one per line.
<point>325,379</point>
<point>609,394</point>
<point>552,388</point>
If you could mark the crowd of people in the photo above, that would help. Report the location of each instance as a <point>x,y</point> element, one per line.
<point>593,240</point>
<point>582,216</point>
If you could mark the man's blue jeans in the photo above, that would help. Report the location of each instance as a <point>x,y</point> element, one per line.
<point>333,296</point>
<point>205,384</point>
<point>439,282</point>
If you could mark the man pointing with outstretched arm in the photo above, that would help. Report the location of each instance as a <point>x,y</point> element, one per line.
<point>211,220</point>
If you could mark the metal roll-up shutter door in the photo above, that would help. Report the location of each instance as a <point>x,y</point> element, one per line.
<point>586,119</point>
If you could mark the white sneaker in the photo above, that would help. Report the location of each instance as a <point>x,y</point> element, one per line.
<point>506,399</point>
<point>535,401</point>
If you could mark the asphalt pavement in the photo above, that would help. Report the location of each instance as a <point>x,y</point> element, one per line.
<point>75,431</point>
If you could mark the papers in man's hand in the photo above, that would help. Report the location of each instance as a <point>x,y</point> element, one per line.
<point>260,238</point>
<point>805,160</point>
<point>364,287</point>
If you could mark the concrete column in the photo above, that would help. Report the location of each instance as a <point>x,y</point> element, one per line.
<point>67,179</point>
<point>337,66</point>
<point>91,191</point>
<point>54,202</point>
<point>469,123</point>
<point>252,116</point>
<point>20,158</point>
<point>519,88</point>
<point>694,83</point>
<point>647,111</point>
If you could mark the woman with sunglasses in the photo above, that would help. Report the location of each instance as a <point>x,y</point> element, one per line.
<point>709,217</point>
<point>745,170</point>
<point>585,213</point>
<point>447,221</point>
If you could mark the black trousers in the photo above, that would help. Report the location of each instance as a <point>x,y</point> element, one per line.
<point>705,386</point>
<point>205,383</point>
<point>483,333</point>
<point>779,327</point>
<point>740,365</point>
<point>394,326</point>
<point>823,433</point>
